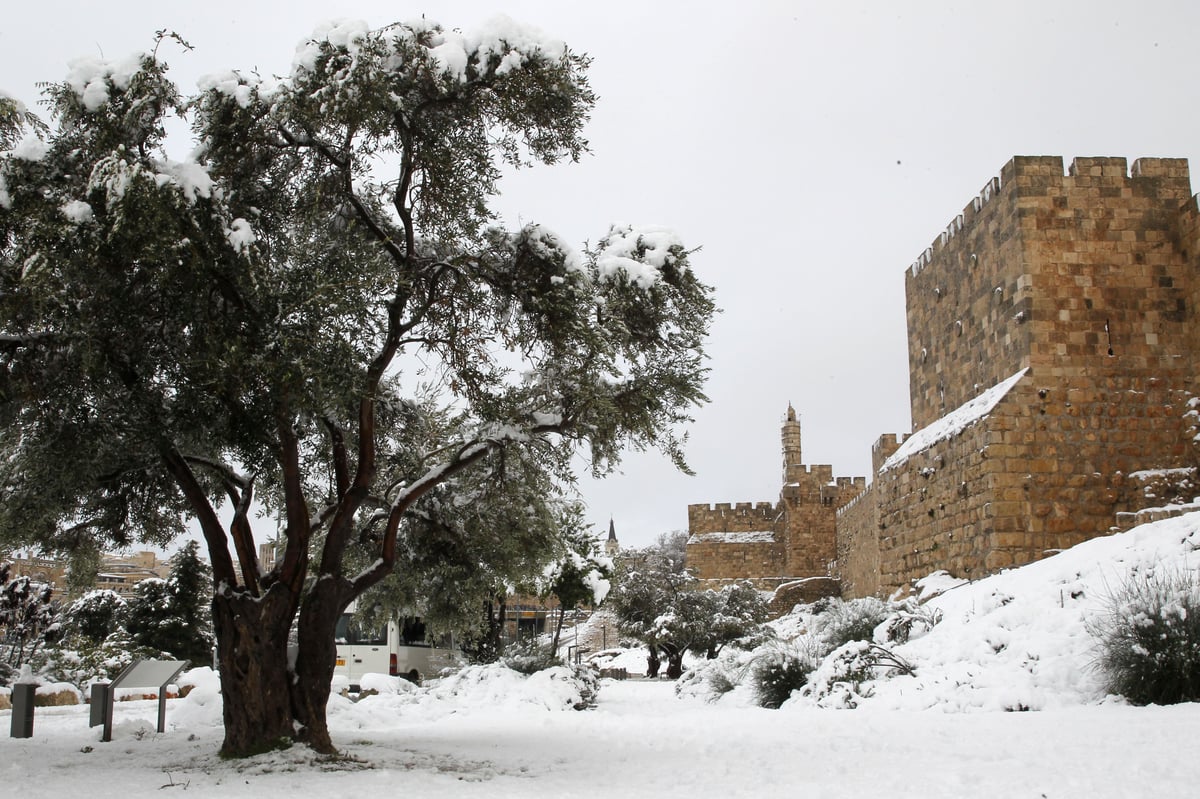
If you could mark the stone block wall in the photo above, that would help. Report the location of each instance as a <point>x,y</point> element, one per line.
<point>1053,270</point>
<point>1108,278</point>
<point>968,301</point>
<point>1086,279</point>
<point>726,541</point>
<point>935,511</point>
<point>857,543</point>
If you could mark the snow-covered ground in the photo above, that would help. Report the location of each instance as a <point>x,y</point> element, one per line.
<point>1014,640</point>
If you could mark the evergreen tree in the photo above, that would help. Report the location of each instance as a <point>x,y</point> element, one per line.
<point>96,615</point>
<point>170,615</point>
<point>316,311</point>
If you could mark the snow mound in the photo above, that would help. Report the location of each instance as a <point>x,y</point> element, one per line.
<point>1019,640</point>
<point>488,688</point>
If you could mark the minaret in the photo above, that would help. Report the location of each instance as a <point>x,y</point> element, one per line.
<point>791,445</point>
<point>611,546</point>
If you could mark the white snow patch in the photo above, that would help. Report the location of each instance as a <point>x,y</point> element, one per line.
<point>191,178</point>
<point>753,537</point>
<point>78,212</point>
<point>240,235</point>
<point>952,423</point>
<point>637,253</point>
<point>342,33</point>
<point>30,148</point>
<point>90,77</point>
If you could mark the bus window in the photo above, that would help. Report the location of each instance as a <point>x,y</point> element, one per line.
<point>351,631</point>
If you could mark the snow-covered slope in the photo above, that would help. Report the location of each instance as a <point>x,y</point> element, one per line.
<point>1019,640</point>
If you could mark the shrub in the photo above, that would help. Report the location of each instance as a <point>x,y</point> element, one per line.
<point>779,671</point>
<point>529,658</point>
<point>1149,638</point>
<point>843,678</point>
<point>911,620</point>
<point>81,667</point>
<point>712,679</point>
<point>840,621</point>
<point>96,615</point>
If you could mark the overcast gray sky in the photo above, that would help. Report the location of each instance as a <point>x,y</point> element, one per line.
<point>813,150</point>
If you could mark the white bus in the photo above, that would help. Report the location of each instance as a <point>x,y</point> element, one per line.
<point>401,647</point>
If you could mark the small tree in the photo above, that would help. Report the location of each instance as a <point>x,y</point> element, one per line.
<point>648,584</point>
<point>581,576</point>
<point>656,601</point>
<point>170,615</point>
<point>28,618</point>
<point>96,615</point>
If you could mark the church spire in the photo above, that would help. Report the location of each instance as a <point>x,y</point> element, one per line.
<point>611,546</point>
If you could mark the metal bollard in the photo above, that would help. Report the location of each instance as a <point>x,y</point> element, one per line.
<point>22,710</point>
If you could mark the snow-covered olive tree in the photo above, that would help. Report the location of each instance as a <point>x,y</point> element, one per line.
<point>315,313</point>
<point>659,602</point>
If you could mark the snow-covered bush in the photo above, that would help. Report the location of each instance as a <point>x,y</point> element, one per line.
<point>492,685</point>
<point>530,657</point>
<point>840,621</point>
<point>96,615</point>
<point>712,679</point>
<point>910,620</point>
<point>1149,631</point>
<point>88,664</point>
<point>840,679</point>
<point>781,668</point>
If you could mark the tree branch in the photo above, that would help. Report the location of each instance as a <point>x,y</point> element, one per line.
<point>468,454</point>
<point>210,525</point>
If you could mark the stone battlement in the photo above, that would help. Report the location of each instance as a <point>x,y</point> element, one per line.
<point>1044,173</point>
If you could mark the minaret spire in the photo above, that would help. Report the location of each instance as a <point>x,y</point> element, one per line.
<point>791,444</point>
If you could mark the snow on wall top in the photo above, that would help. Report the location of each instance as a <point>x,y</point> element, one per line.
<point>757,537</point>
<point>957,420</point>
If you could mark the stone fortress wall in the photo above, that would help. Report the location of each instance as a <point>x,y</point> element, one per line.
<point>1074,292</point>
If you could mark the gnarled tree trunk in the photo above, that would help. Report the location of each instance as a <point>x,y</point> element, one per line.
<point>252,635</point>
<point>316,660</point>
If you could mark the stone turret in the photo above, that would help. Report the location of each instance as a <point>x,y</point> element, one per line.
<point>791,446</point>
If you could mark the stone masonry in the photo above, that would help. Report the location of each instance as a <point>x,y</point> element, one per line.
<point>1051,333</point>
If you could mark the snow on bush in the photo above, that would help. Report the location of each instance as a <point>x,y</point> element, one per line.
<point>1149,634</point>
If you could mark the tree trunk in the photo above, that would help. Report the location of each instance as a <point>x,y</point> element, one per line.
<point>252,635</point>
<point>653,663</point>
<point>674,662</point>
<point>562,614</point>
<point>316,660</point>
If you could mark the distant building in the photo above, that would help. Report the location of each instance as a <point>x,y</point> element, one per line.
<point>119,573</point>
